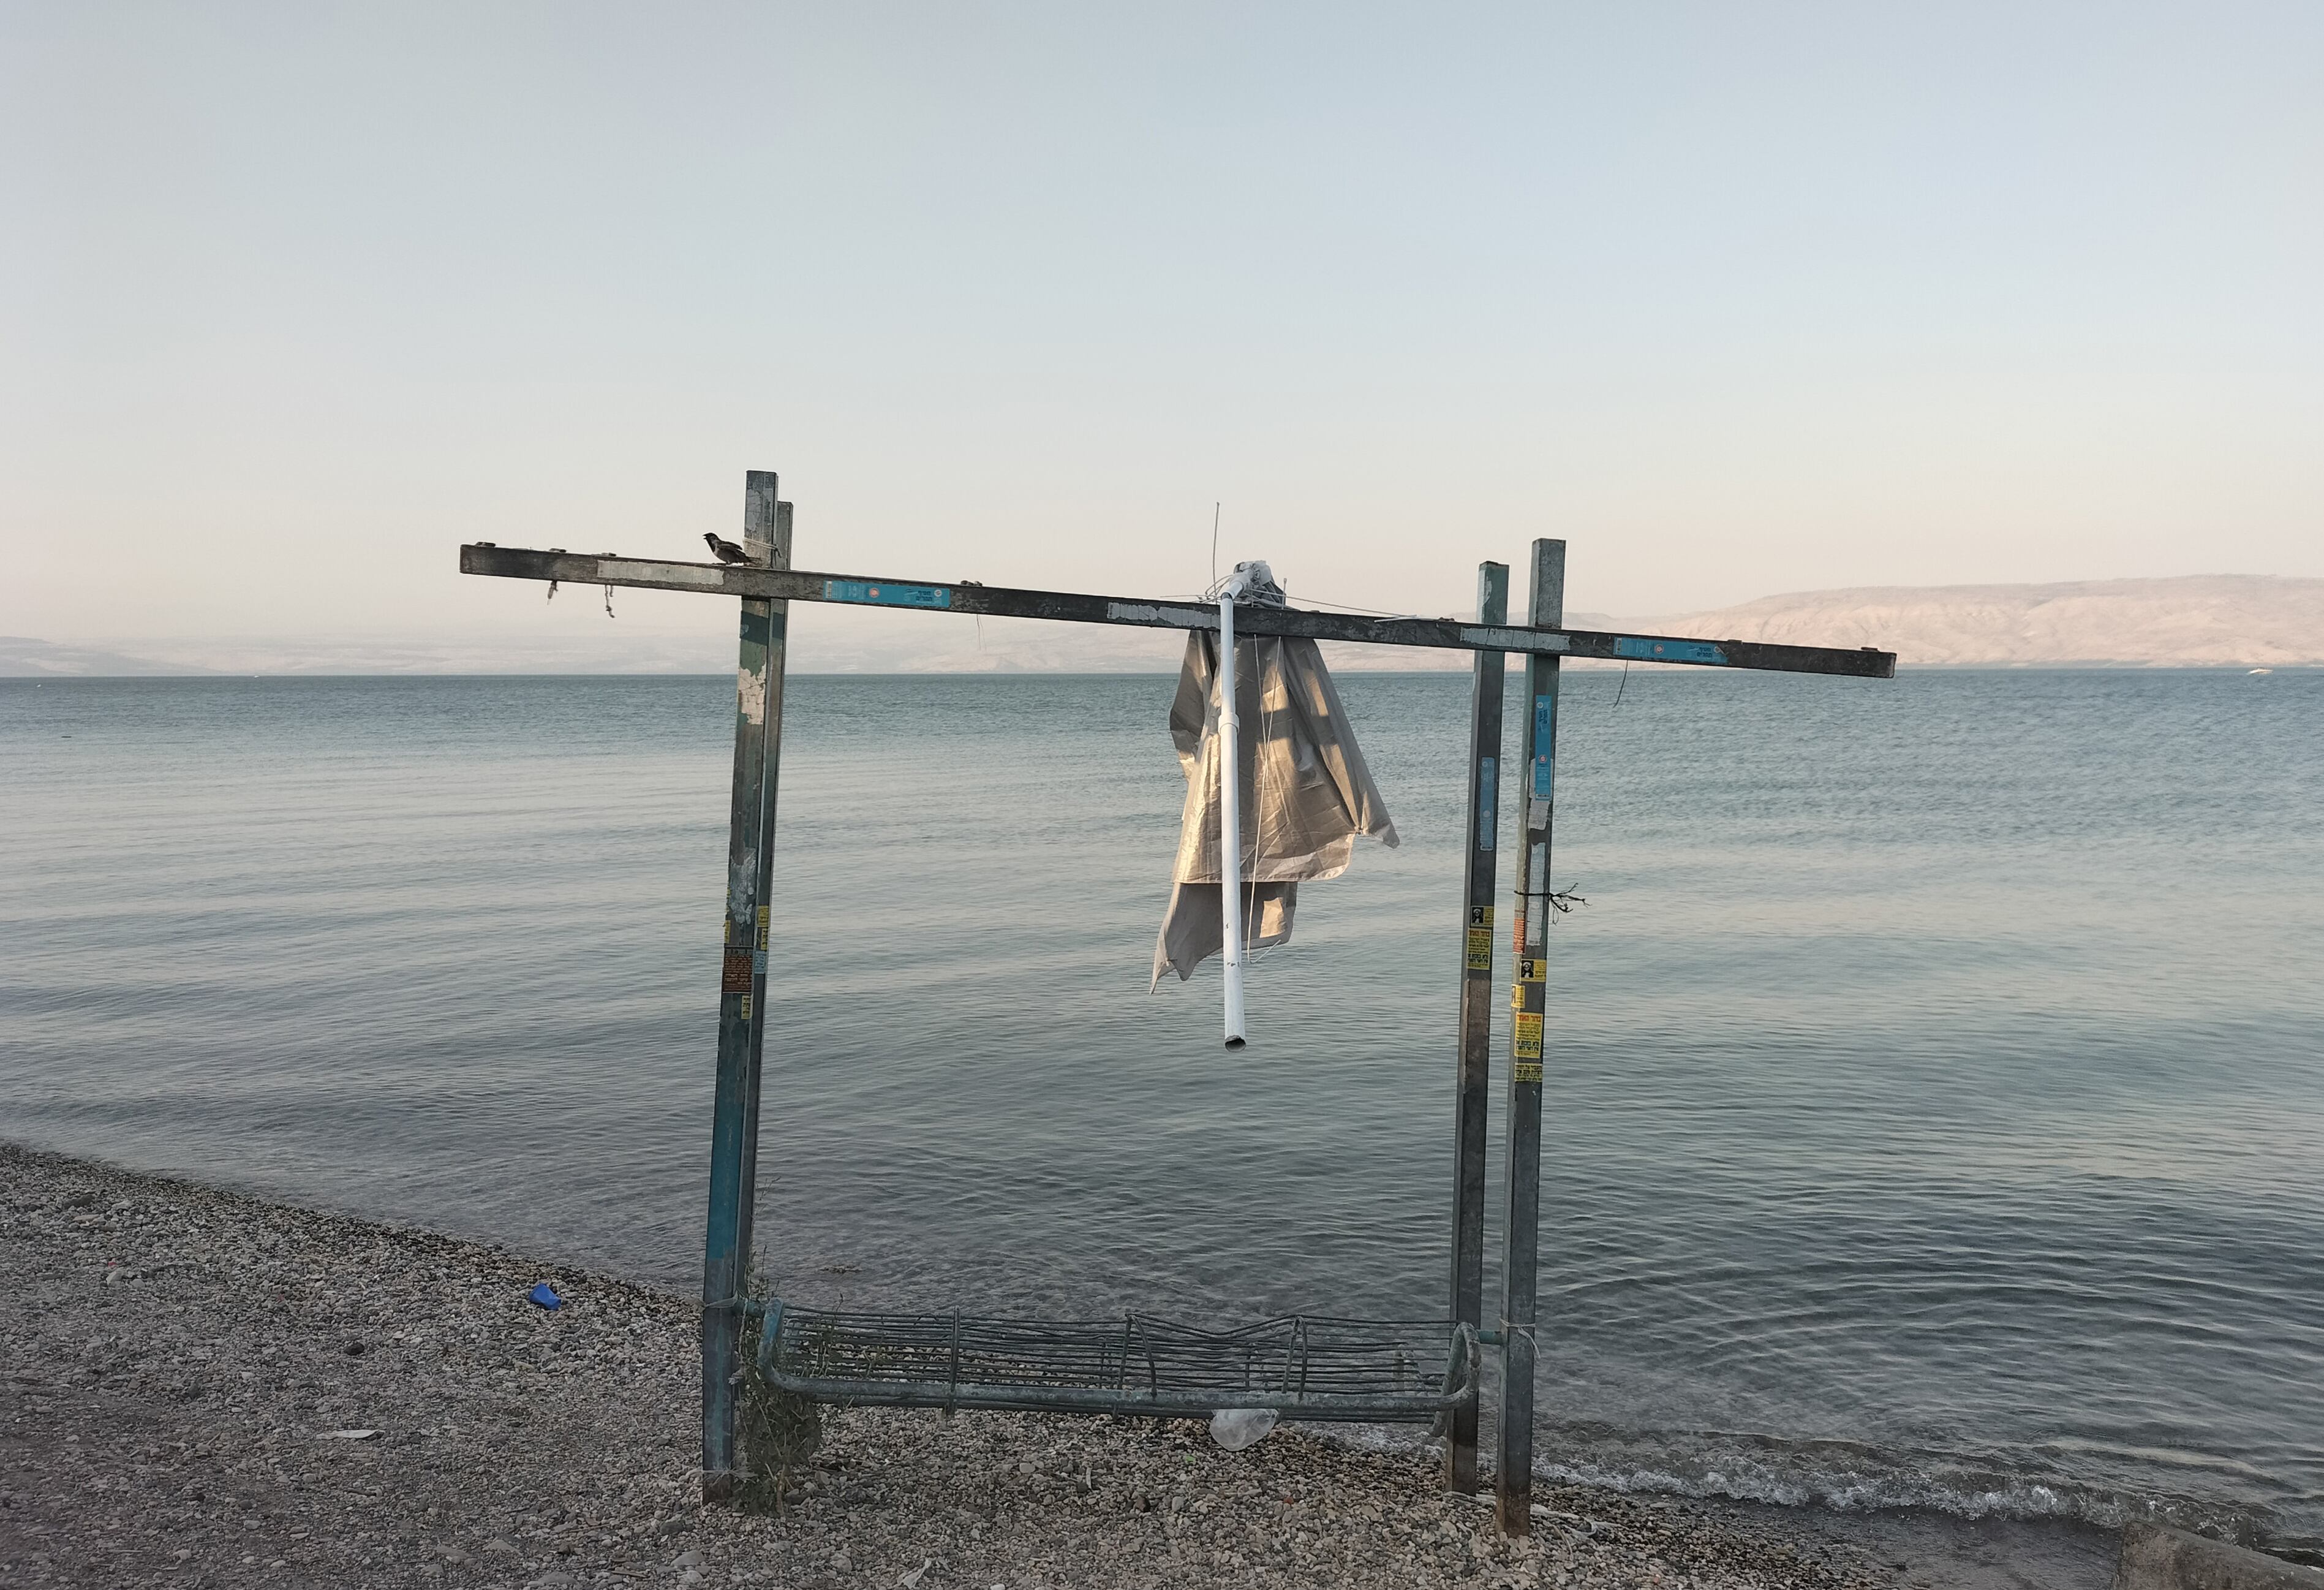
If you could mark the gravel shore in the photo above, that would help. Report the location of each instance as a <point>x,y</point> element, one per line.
<point>199,1389</point>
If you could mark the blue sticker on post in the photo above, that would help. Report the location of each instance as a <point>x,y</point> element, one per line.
<point>1545,747</point>
<point>883,594</point>
<point>1650,650</point>
<point>1488,786</point>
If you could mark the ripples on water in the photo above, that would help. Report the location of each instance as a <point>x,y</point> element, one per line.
<point>1934,1087</point>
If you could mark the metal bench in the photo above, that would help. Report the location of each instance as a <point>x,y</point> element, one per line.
<point>1301,1365</point>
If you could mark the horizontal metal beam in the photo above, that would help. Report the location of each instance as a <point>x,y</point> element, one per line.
<point>1002,602</point>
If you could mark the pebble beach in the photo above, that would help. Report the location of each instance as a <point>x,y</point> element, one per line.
<point>202,1389</point>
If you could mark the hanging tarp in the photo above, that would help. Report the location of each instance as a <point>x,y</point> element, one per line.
<point>1306,794</point>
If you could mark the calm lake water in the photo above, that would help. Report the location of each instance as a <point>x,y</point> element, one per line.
<point>1936,1075</point>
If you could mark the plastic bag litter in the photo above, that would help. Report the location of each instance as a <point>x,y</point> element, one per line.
<point>545,1295</point>
<point>1235,1428</point>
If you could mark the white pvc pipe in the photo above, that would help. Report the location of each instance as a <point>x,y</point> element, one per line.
<point>1230,811</point>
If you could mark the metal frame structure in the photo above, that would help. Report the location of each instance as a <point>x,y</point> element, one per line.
<point>1054,1366</point>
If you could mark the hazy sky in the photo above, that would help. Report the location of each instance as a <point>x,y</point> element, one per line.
<point>1739,298</point>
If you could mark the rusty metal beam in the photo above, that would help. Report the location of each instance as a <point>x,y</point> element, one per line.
<point>1174,613</point>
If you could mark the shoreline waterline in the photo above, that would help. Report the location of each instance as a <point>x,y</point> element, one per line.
<point>1932,1118</point>
<point>315,1393</point>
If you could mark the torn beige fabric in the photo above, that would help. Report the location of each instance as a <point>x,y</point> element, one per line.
<point>1306,793</point>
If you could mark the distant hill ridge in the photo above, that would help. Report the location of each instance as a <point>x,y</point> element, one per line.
<point>2201,621</point>
<point>2196,621</point>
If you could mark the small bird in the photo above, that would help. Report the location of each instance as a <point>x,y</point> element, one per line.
<point>725,551</point>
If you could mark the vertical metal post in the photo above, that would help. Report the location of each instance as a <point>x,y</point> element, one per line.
<point>1473,1064</point>
<point>1513,1473</point>
<point>725,1253</point>
<point>778,614</point>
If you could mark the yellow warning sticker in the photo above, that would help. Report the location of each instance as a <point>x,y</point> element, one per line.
<point>1526,1071</point>
<point>762,927</point>
<point>1481,916</point>
<point>1480,949</point>
<point>1532,968</point>
<point>1528,1035</point>
<point>746,1007</point>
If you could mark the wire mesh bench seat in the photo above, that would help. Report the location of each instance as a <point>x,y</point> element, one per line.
<point>1301,1365</point>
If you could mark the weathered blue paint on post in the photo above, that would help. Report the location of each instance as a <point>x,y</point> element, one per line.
<point>1513,1469</point>
<point>1473,1057</point>
<point>726,1237</point>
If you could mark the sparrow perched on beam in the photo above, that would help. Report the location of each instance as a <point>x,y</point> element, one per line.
<point>725,551</point>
